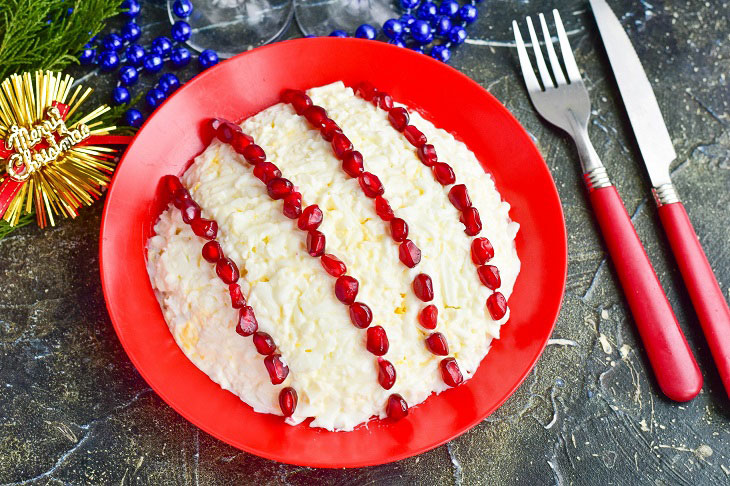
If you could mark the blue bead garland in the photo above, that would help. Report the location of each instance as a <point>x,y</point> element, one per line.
<point>121,95</point>
<point>207,58</point>
<point>131,32</point>
<point>181,31</point>
<point>182,8</point>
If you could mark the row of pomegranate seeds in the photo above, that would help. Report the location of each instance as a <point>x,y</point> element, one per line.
<point>309,219</point>
<point>352,164</point>
<point>227,271</point>
<point>481,252</point>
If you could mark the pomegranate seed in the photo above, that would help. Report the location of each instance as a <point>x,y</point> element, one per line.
<point>385,101</point>
<point>241,141</point>
<point>346,289</point>
<point>288,401</point>
<point>459,197</point>
<point>247,323</point>
<point>205,228</point>
<point>360,315</point>
<point>190,211</point>
<point>489,275</point>
<point>292,205</point>
<point>212,252</point>
<point>171,184</point>
<point>427,154</point>
<point>472,221</point>
<point>329,129</point>
<point>423,287</point>
<point>386,373</point>
<point>397,408</point>
<point>266,171</point>
<point>371,185</point>
<point>352,163</point>
<point>300,101</point>
<point>278,370</point>
<point>226,131</point>
<point>316,115</point>
<point>497,305</point>
<point>279,188</point>
<point>288,95</point>
<point>443,173</point>
<point>436,343</point>
<point>227,271</point>
<point>414,136</point>
<point>315,243</point>
<point>428,317</point>
<point>409,254</point>
<point>377,341</point>
<point>254,153</point>
<point>333,265</point>
<point>398,229</point>
<point>481,251</point>
<point>341,145</point>
<point>382,207</point>
<point>310,219</point>
<point>399,118</point>
<point>264,343</point>
<point>215,123</point>
<point>181,197</point>
<point>450,372</point>
<point>237,298</point>
<point>366,91</point>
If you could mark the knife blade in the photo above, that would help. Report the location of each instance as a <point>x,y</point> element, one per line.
<point>644,113</point>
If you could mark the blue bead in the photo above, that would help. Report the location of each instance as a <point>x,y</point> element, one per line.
<point>443,25</point>
<point>121,95</point>
<point>409,3</point>
<point>182,8</point>
<point>128,75</point>
<point>134,118</point>
<point>87,55</point>
<point>420,30</point>
<point>457,34</point>
<point>131,32</point>
<point>112,42</point>
<point>181,31</point>
<point>132,8</point>
<point>468,13</point>
<point>449,7</point>
<point>442,53</point>
<point>393,28</point>
<point>152,63</point>
<point>207,58</point>
<point>397,42</point>
<point>169,83</point>
<point>161,45</point>
<point>427,11</point>
<point>180,57</point>
<point>338,33</point>
<point>407,20</point>
<point>366,31</point>
<point>154,98</point>
<point>108,60</point>
<point>135,54</point>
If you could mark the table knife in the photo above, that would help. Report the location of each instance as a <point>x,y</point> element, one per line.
<point>658,152</point>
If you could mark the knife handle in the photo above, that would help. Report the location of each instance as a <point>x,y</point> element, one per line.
<point>707,298</point>
<point>674,366</point>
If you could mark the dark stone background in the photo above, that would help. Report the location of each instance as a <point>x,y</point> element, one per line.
<point>73,410</point>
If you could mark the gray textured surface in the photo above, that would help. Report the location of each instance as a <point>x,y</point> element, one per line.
<point>73,410</point>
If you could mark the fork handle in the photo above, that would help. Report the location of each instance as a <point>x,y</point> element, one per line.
<point>707,298</point>
<point>675,368</point>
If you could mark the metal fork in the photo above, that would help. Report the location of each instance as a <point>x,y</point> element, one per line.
<point>564,102</point>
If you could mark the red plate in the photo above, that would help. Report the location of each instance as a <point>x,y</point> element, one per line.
<point>241,87</point>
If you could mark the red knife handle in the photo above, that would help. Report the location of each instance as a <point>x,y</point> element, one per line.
<point>707,298</point>
<point>675,368</point>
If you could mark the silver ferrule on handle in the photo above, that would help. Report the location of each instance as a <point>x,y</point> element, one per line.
<point>596,179</point>
<point>665,194</point>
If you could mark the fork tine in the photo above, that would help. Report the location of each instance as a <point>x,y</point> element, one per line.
<point>570,66</point>
<point>554,63</point>
<point>547,81</point>
<point>530,80</point>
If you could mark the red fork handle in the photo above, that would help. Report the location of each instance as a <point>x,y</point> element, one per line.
<point>707,298</point>
<point>674,366</point>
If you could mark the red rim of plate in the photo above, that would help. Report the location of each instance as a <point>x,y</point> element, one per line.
<point>242,86</point>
